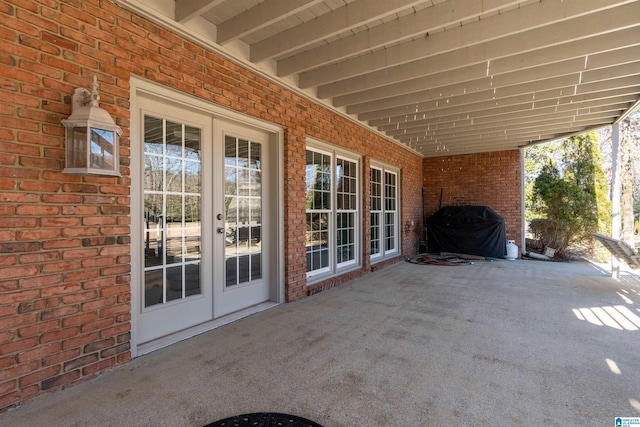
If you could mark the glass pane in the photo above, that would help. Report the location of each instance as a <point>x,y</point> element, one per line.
<point>174,210</point>
<point>243,211</point>
<point>102,149</point>
<point>192,236</point>
<point>192,279</point>
<point>231,210</point>
<point>173,139</point>
<point>192,143</point>
<point>153,251</point>
<point>231,239</point>
<point>174,283</point>
<point>153,287</point>
<point>256,266</point>
<point>192,176</point>
<point>243,236</point>
<point>255,181</point>
<point>244,182</point>
<point>231,271</point>
<point>153,135</point>
<point>77,156</point>
<point>255,207</point>
<point>324,258</point>
<point>173,175</point>
<point>243,268</point>
<point>230,180</point>
<point>256,155</point>
<point>153,173</point>
<point>192,211</point>
<point>230,151</point>
<point>243,153</point>
<point>255,238</point>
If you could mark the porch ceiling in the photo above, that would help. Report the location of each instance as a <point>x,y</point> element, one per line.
<point>443,77</point>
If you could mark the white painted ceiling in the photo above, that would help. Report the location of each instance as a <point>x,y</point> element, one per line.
<point>442,77</point>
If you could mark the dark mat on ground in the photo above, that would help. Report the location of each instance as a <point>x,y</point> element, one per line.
<point>264,419</point>
<point>432,259</point>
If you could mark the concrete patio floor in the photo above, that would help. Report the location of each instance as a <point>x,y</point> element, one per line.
<point>493,343</point>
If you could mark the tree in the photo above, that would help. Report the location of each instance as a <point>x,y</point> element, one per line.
<point>629,162</point>
<point>571,194</point>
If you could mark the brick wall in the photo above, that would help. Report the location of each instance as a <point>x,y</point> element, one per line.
<point>488,179</point>
<point>65,240</point>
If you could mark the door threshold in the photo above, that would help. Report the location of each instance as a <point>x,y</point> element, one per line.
<point>159,343</point>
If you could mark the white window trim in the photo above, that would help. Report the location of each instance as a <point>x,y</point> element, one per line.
<point>383,253</point>
<point>334,268</point>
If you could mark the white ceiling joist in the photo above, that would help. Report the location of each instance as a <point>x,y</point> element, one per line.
<point>352,15</point>
<point>526,32</point>
<point>402,29</point>
<point>440,77</point>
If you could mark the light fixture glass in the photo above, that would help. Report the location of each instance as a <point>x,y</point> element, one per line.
<point>92,137</point>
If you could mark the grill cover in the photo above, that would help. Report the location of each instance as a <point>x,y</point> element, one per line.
<point>472,230</point>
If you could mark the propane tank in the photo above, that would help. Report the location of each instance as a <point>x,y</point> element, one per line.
<point>512,250</point>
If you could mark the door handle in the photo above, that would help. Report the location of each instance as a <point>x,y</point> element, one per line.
<point>220,230</point>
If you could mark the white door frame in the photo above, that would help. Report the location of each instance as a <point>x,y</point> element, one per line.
<point>276,290</point>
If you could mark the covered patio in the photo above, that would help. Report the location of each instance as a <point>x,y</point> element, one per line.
<point>491,343</point>
<point>262,152</point>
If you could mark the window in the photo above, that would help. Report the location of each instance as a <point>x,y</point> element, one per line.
<point>332,211</point>
<point>383,185</point>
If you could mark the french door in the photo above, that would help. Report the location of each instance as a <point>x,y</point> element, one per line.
<point>205,221</point>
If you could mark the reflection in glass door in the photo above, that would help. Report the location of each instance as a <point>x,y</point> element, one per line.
<point>243,211</point>
<point>172,211</point>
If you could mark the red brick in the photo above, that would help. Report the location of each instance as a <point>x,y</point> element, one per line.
<point>38,328</point>
<point>80,362</point>
<point>40,257</point>
<point>7,260</point>
<point>60,289</point>
<point>80,341</point>
<point>39,376</point>
<point>6,336</point>
<point>79,297</point>
<point>59,312</point>
<point>38,353</point>
<point>40,281</point>
<point>98,304</point>
<point>61,357</point>
<point>79,319</point>
<point>116,330</point>
<point>112,311</point>
<point>19,296</point>
<point>15,346</point>
<point>61,266</point>
<point>100,366</point>
<point>22,394</point>
<point>60,380</point>
<point>62,244</point>
<point>38,234</point>
<point>59,335</point>
<point>7,387</point>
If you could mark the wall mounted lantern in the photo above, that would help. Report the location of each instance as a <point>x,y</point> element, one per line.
<point>91,136</point>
